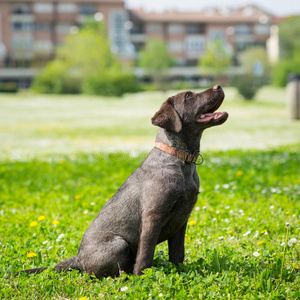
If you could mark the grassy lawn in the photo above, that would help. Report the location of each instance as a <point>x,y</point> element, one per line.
<point>53,168</point>
<point>31,125</point>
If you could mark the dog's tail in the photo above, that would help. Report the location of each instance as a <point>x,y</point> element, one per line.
<point>64,266</point>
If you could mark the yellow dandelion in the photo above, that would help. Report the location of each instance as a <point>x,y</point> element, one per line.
<point>83,298</point>
<point>55,222</point>
<point>31,254</point>
<point>287,213</point>
<point>192,223</point>
<point>77,197</point>
<point>34,223</point>
<point>260,242</point>
<point>41,218</point>
<point>229,231</point>
<point>239,173</point>
<point>263,231</point>
<point>296,267</point>
<point>188,239</point>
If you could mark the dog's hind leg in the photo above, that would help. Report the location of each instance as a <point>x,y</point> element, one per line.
<point>107,258</point>
<point>68,265</point>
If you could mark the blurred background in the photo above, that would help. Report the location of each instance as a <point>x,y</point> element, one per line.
<point>64,66</point>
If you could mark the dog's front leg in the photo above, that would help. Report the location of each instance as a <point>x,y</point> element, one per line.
<point>149,232</point>
<point>176,246</point>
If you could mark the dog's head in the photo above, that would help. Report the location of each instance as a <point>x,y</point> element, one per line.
<point>188,110</point>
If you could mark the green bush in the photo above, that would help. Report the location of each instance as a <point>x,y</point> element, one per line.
<point>8,87</point>
<point>247,85</point>
<point>111,84</point>
<point>283,69</point>
<point>57,79</point>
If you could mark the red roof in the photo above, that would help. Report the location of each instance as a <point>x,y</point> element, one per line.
<point>248,14</point>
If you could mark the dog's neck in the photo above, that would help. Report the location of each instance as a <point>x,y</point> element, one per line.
<point>179,140</point>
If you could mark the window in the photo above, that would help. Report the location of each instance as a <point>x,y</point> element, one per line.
<point>216,34</point>
<point>87,9</point>
<point>43,46</point>
<point>66,8</point>
<point>63,27</point>
<point>242,29</point>
<point>195,44</point>
<point>175,46</point>
<point>43,8</point>
<point>154,28</point>
<point>262,29</point>
<point>195,28</point>
<point>22,26</point>
<point>176,29</point>
<point>42,26</point>
<point>20,9</point>
<point>21,44</point>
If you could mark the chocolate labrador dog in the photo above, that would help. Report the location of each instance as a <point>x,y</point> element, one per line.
<point>155,202</point>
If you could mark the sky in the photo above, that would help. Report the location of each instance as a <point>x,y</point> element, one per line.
<point>276,7</point>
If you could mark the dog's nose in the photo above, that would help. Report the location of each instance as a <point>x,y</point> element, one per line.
<point>217,88</point>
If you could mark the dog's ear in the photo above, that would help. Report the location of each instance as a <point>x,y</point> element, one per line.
<point>167,117</point>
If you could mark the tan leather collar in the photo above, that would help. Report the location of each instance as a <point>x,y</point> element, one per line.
<point>186,156</point>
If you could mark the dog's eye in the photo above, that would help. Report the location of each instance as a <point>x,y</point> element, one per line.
<point>188,95</point>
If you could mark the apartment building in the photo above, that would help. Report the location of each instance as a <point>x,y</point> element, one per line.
<point>187,34</point>
<point>31,29</point>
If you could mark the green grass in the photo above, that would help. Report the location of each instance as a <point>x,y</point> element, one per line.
<point>52,166</point>
<point>242,191</point>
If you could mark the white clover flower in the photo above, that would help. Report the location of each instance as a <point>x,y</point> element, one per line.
<point>86,212</point>
<point>217,212</point>
<point>226,220</point>
<point>92,203</point>
<point>204,207</point>
<point>124,289</point>
<point>45,242</point>
<point>241,211</point>
<point>256,254</point>
<point>282,244</point>
<point>292,242</point>
<point>231,238</point>
<point>160,295</point>
<point>272,207</point>
<point>197,208</point>
<point>50,247</point>
<point>60,237</point>
<point>247,233</point>
<point>227,207</point>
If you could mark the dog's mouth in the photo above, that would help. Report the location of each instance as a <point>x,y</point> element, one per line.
<point>211,114</point>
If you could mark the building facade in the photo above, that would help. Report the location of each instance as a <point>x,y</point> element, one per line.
<point>187,34</point>
<point>32,29</point>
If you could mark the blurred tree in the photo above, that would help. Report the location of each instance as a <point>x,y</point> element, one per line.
<point>255,62</point>
<point>289,33</point>
<point>155,60</point>
<point>215,59</point>
<point>84,58</point>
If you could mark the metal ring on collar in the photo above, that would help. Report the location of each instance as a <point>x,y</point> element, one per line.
<point>202,160</point>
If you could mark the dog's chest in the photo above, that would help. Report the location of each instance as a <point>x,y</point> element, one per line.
<point>182,208</point>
